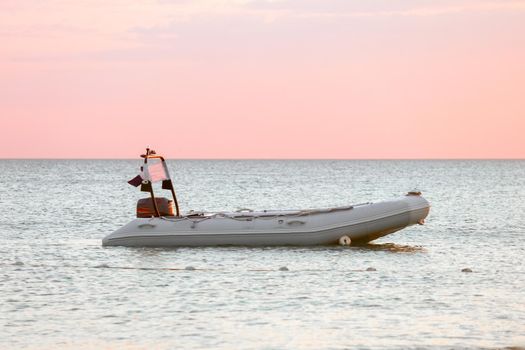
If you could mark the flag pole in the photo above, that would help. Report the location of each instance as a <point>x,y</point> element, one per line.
<point>166,184</point>
<point>150,184</point>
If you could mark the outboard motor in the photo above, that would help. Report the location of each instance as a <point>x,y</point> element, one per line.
<point>145,208</point>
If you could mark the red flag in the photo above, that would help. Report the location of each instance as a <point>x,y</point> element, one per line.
<point>156,172</point>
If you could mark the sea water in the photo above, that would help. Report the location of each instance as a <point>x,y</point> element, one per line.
<point>60,289</point>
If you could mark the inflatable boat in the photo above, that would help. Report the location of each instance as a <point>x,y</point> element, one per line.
<point>160,224</point>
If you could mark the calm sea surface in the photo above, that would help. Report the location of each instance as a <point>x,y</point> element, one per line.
<point>60,289</point>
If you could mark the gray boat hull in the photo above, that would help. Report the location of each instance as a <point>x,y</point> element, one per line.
<point>361,223</point>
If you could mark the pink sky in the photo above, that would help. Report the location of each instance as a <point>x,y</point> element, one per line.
<point>262,79</point>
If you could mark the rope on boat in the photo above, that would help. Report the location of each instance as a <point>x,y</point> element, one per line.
<point>199,217</point>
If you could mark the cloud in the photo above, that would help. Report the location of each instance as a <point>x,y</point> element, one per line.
<point>52,28</point>
<point>282,9</point>
<point>479,7</point>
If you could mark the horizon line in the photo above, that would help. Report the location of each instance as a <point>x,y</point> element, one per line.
<point>266,159</point>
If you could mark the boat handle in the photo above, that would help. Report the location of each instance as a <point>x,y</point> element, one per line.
<point>146,226</point>
<point>296,222</point>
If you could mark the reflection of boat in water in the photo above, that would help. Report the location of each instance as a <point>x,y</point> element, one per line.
<point>159,223</point>
<point>391,247</point>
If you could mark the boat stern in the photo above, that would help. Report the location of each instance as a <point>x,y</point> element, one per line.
<point>126,232</point>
